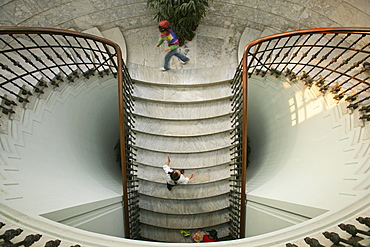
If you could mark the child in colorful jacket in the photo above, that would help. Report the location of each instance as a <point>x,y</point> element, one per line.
<point>173,43</point>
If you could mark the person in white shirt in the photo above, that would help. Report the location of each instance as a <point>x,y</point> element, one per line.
<point>175,177</point>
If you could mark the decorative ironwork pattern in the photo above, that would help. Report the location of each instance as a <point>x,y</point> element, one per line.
<point>237,193</point>
<point>336,60</point>
<point>34,59</point>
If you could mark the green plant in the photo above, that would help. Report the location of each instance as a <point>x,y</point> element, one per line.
<point>184,15</point>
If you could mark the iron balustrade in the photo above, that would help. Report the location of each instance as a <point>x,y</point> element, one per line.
<point>35,59</point>
<point>237,195</point>
<point>335,60</point>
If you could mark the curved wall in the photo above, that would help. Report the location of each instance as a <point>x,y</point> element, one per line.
<point>215,52</point>
<point>305,150</point>
<point>69,151</point>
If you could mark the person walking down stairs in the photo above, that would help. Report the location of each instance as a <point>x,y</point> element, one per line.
<point>175,177</point>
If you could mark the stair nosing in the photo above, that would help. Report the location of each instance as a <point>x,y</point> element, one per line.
<point>184,152</point>
<point>197,168</point>
<point>200,227</point>
<point>183,136</point>
<point>186,214</point>
<point>182,102</point>
<point>184,119</point>
<point>182,85</point>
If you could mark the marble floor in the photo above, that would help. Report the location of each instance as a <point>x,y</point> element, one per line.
<point>213,56</point>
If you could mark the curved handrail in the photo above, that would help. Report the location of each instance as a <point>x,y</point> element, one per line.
<point>101,54</point>
<point>363,30</point>
<point>42,30</point>
<point>324,52</point>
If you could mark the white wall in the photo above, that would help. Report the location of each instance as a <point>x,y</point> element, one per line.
<point>68,157</point>
<point>104,217</point>
<point>304,151</point>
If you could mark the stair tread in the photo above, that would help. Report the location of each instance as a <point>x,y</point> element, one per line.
<point>183,144</point>
<point>182,93</point>
<point>204,175</point>
<point>173,235</point>
<point>187,221</point>
<point>190,206</point>
<point>184,160</point>
<point>183,128</point>
<point>188,191</point>
<point>181,111</point>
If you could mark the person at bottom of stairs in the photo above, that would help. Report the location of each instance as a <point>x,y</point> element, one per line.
<point>175,177</point>
<point>211,236</point>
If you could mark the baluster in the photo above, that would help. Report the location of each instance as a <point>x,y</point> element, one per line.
<point>310,47</point>
<point>29,240</point>
<point>77,54</point>
<point>365,117</point>
<point>312,242</point>
<point>105,60</point>
<point>291,76</point>
<point>365,221</point>
<point>314,56</point>
<point>286,54</point>
<point>336,239</point>
<point>53,243</point>
<point>88,55</point>
<point>354,97</point>
<point>10,234</point>
<point>351,229</point>
<point>308,81</point>
<point>26,59</point>
<point>291,245</point>
<point>59,56</point>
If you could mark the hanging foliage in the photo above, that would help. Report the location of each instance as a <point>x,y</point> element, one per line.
<point>184,15</point>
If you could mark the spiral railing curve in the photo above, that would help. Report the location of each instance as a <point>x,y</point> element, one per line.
<point>35,59</point>
<point>335,60</point>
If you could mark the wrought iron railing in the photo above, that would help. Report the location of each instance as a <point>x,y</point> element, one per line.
<point>237,195</point>
<point>33,60</point>
<point>334,60</point>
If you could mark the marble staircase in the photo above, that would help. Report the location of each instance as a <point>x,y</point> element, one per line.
<point>191,124</point>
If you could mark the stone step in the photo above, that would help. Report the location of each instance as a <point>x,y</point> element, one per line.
<point>189,74</point>
<point>190,206</point>
<point>202,175</point>
<point>184,160</point>
<point>188,191</point>
<point>182,111</point>
<point>173,235</point>
<point>183,144</point>
<point>188,221</point>
<point>182,93</point>
<point>183,128</point>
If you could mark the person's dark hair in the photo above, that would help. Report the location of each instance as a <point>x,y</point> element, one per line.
<point>213,234</point>
<point>162,29</point>
<point>174,176</point>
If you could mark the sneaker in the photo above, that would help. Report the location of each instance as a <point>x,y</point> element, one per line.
<point>163,69</point>
<point>185,62</point>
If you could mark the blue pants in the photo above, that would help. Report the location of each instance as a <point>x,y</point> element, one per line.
<point>172,53</point>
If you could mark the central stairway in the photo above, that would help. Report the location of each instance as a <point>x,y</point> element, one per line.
<point>191,124</point>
